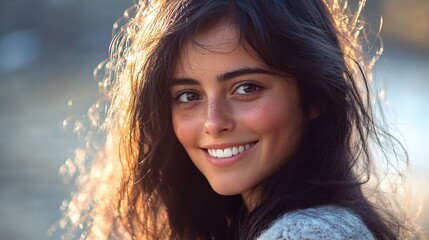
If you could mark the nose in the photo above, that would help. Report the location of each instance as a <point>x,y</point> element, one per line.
<point>219,118</point>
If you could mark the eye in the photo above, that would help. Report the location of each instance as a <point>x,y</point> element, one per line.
<point>247,88</point>
<point>187,97</point>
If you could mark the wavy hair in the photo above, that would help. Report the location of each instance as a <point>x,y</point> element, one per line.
<point>141,184</point>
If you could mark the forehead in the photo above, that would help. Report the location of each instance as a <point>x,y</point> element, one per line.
<point>219,37</point>
<point>215,49</point>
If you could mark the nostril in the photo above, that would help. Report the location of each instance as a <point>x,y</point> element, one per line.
<point>216,131</point>
<point>223,130</point>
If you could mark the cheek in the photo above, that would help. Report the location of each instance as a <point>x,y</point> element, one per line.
<point>268,117</point>
<point>278,125</point>
<point>185,127</point>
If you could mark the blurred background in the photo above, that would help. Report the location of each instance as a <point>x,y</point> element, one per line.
<point>48,49</point>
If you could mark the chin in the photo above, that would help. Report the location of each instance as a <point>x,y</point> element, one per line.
<point>225,192</point>
<point>226,188</point>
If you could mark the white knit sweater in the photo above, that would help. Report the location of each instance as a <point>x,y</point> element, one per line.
<point>321,223</point>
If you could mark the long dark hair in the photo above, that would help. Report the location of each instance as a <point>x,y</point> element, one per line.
<point>162,194</point>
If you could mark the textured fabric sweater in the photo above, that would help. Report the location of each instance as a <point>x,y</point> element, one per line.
<point>324,223</point>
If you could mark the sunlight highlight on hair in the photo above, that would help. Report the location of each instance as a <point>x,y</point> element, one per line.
<point>107,155</point>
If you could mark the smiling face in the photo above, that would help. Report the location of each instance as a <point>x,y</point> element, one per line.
<point>236,119</point>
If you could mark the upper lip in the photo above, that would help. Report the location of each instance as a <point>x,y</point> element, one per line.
<point>226,145</point>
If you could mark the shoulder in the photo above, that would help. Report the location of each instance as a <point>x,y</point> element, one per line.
<point>325,222</point>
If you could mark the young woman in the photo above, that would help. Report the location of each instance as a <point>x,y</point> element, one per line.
<point>238,119</point>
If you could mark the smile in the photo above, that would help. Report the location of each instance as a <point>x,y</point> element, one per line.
<point>230,151</point>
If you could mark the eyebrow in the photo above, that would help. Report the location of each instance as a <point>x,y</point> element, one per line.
<point>223,77</point>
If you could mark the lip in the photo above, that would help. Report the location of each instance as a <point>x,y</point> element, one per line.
<point>226,162</point>
<point>226,145</point>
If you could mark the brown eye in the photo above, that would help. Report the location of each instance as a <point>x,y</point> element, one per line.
<point>247,88</point>
<point>187,97</point>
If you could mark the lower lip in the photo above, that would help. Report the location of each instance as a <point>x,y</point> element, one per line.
<point>226,162</point>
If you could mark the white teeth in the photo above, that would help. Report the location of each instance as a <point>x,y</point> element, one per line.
<point>219,153</point>
<point>211,152</point>
<point>240,149</point>
<point>234,151</point>
<point>228,152</point>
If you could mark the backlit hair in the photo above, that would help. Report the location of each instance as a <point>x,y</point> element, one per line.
<point>139,183</point>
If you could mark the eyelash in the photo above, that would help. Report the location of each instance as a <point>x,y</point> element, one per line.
<point>256,86</point>
<point>183,93</point>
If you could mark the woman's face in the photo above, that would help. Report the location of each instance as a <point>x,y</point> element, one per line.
<point>236,119</point>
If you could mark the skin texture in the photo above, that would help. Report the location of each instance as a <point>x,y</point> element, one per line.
<point>253,106</point>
